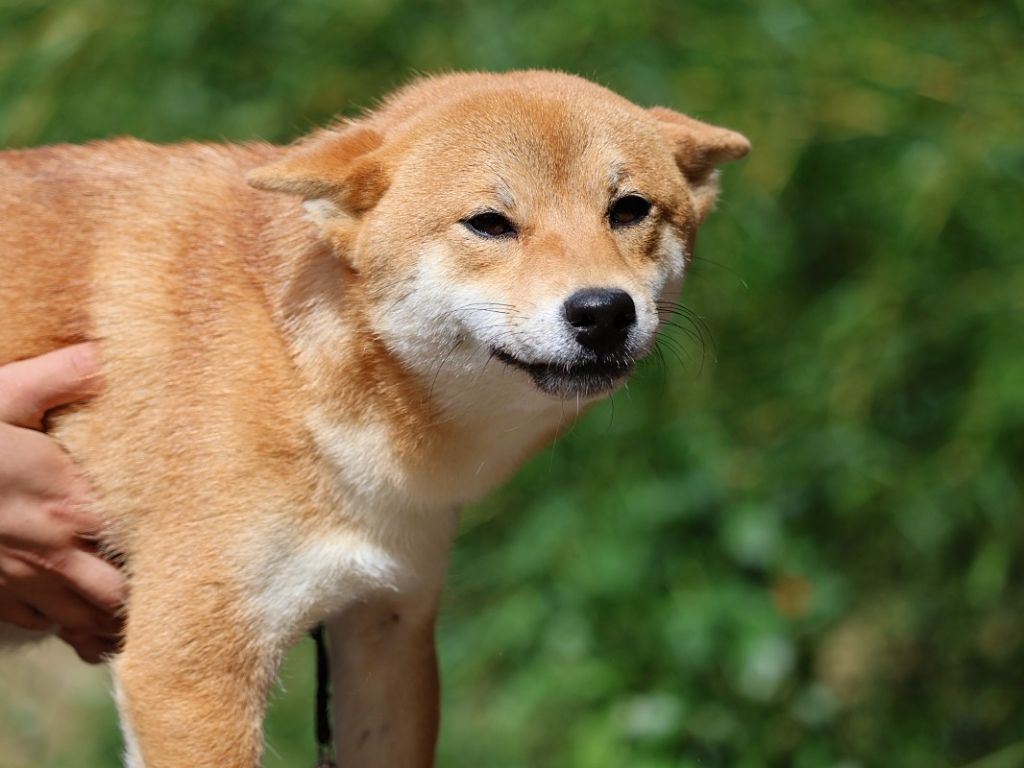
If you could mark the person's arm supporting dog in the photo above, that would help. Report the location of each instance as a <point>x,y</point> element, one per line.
<point>51,577</point>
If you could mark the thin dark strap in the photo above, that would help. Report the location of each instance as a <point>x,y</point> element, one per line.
<point>324,743</point>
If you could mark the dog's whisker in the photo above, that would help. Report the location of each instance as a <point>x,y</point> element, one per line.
<point>676,352</point>
<point>481,306</point>
<point>692,334</point>
<point>696,320</point>
<point>458,343</point>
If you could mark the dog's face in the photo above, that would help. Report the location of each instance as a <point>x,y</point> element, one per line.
<point>531,225</point>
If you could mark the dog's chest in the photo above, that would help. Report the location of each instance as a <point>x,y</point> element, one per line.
<point>373,538</point>
<point>382,487</point>
<point>389,524</point>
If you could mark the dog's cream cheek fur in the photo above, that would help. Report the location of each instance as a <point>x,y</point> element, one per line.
<point>445,321</point>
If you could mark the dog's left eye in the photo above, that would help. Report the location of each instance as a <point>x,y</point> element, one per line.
<point>490,224</point>
<point>628,210</point>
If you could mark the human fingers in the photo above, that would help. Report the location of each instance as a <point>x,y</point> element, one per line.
<point>92,649</point>
<point>32,461</point>
<point>29,388</point>
<point>41,530</point>
<point>63,607</point>
<point>93,578</point>
<point>43,496</point>
<point>52,540</point>
<point>13,611</point>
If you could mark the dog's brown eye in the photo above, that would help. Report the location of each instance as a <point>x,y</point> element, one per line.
<point>628,210</point>
<point>490,224</point>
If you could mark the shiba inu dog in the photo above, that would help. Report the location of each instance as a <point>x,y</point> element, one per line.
<point>315,354</point>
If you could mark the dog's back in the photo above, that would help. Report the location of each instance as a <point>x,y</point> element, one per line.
<point>45,250</point>
<point>69,213</point>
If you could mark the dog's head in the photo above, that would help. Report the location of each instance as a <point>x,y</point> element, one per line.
<point>529,223</point>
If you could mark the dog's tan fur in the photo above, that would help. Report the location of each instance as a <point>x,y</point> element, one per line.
<point>289,422</point>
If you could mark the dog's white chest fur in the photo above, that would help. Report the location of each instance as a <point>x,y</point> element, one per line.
<point>394,525</point>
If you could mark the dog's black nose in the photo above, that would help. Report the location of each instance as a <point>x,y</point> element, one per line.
<point>601,317</point>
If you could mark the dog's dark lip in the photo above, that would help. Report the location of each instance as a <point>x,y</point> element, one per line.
<point>565,379</point>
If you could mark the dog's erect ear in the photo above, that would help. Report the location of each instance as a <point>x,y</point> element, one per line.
<point>698,148</point>
<point>338,169</point>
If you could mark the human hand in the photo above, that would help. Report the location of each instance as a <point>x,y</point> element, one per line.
<point>51,576</point>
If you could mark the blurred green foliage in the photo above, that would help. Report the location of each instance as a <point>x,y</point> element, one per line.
<point>797,546</point>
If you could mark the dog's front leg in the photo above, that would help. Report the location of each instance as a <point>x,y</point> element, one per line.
<point>385,683</point>
<point>193,676</point>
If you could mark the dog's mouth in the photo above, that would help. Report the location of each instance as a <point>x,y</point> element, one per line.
<point>586,378</point>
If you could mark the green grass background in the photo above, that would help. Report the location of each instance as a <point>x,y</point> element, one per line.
<point>799,545</point>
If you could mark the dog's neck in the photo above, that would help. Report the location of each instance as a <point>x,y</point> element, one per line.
<point>391,436</point>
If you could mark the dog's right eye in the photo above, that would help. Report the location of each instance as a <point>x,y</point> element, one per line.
<point>628,210</point>
<point>490,224</point>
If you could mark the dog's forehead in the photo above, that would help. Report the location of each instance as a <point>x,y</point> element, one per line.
<point>506,138</point>
<point>544,124</point>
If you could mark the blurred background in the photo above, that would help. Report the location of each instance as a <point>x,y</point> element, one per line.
<point>796,542</point>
